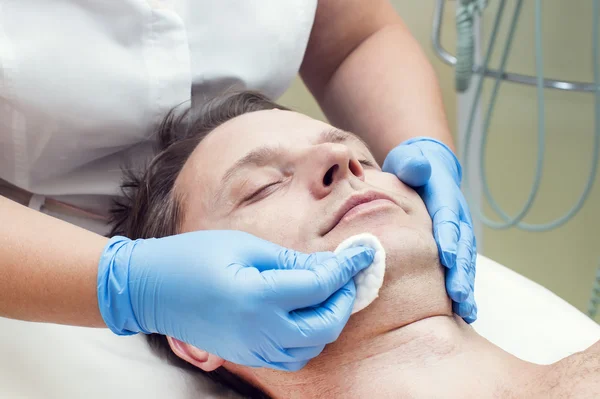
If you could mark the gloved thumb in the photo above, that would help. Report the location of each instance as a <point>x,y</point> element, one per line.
<point>409,164</point>
<point>265,255</point>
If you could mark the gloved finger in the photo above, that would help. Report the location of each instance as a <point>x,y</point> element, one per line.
<point>293,355</point>
<point>265,255</point>
<point>458,281</point>
<point>305,354</point>
<point>472,271</point>
<point>468,309</point>
<point>473,265</point>
<point>472,317</point>
<point>464,309</point>
<point>291,260</point>
<point>409,164</point>
<point>446,231</point>
<point>289,366</point>
<point>274,257</point>
<point>301,288</point>
<point>455,284</point>
<point>288,259</point>
<point>321,325</point>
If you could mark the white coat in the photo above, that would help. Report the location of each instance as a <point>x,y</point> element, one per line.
<point>83,82</point>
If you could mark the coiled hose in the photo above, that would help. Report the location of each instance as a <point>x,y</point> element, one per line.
<point>465,46</point>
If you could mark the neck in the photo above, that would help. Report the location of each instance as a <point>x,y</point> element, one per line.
<point>438,356</point>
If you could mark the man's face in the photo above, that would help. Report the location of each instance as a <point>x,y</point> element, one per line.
<point>300,183</point>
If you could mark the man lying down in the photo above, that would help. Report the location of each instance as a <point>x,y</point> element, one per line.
<point>244,163</point>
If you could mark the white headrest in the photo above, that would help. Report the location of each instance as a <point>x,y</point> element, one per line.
<point>526,319</point>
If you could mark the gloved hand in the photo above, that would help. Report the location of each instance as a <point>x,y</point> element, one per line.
<point>232,294</point>
<point>434,171</point>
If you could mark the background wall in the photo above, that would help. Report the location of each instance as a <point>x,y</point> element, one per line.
<point>563,260</point>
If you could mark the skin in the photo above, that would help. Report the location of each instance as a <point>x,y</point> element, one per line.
<point>408,340</point>
<point>44,277</point>
<point>37,281</point>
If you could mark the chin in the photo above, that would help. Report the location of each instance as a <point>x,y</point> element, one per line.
<point>394,229</point>
<point>408,246</point>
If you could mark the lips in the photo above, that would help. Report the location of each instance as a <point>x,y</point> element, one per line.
<point>352,202</point>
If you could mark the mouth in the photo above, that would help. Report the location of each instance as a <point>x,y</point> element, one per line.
<point>358,204</point>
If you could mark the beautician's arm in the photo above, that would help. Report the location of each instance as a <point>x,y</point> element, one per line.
<point>48,268</point>
<point>370,76</point>
<point>228,292</point>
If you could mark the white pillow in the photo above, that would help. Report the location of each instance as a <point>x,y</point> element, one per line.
<point>526,319</point>
<point>54,361</point>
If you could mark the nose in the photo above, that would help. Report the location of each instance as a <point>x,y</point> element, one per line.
<point>328,164</point>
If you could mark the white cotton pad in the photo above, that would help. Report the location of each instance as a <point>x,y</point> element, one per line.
<point>367,281</point>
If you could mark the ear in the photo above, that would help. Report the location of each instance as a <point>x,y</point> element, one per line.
<point>199,358</point>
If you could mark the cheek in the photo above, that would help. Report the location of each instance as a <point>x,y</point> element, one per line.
<point>390,183</point>
<point>278,220</point>
<point>387,181</point>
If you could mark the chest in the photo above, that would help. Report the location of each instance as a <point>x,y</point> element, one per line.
<point>577,376</point>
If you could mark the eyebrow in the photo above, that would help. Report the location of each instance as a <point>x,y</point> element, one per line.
<point>264,155</point>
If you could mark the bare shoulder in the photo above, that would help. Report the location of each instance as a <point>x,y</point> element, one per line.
<point>576,376</point>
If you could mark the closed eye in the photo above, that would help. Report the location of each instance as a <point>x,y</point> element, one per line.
<point>264,190</point>
<point>366,162</point>
<point>261,192</point>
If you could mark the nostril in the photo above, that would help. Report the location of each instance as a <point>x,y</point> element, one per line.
<point>328,178</point>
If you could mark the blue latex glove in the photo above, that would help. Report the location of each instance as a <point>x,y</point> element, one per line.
<point>432,168</point>
<point>242,298</point>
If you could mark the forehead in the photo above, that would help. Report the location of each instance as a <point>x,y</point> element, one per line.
<point>235,138</point>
